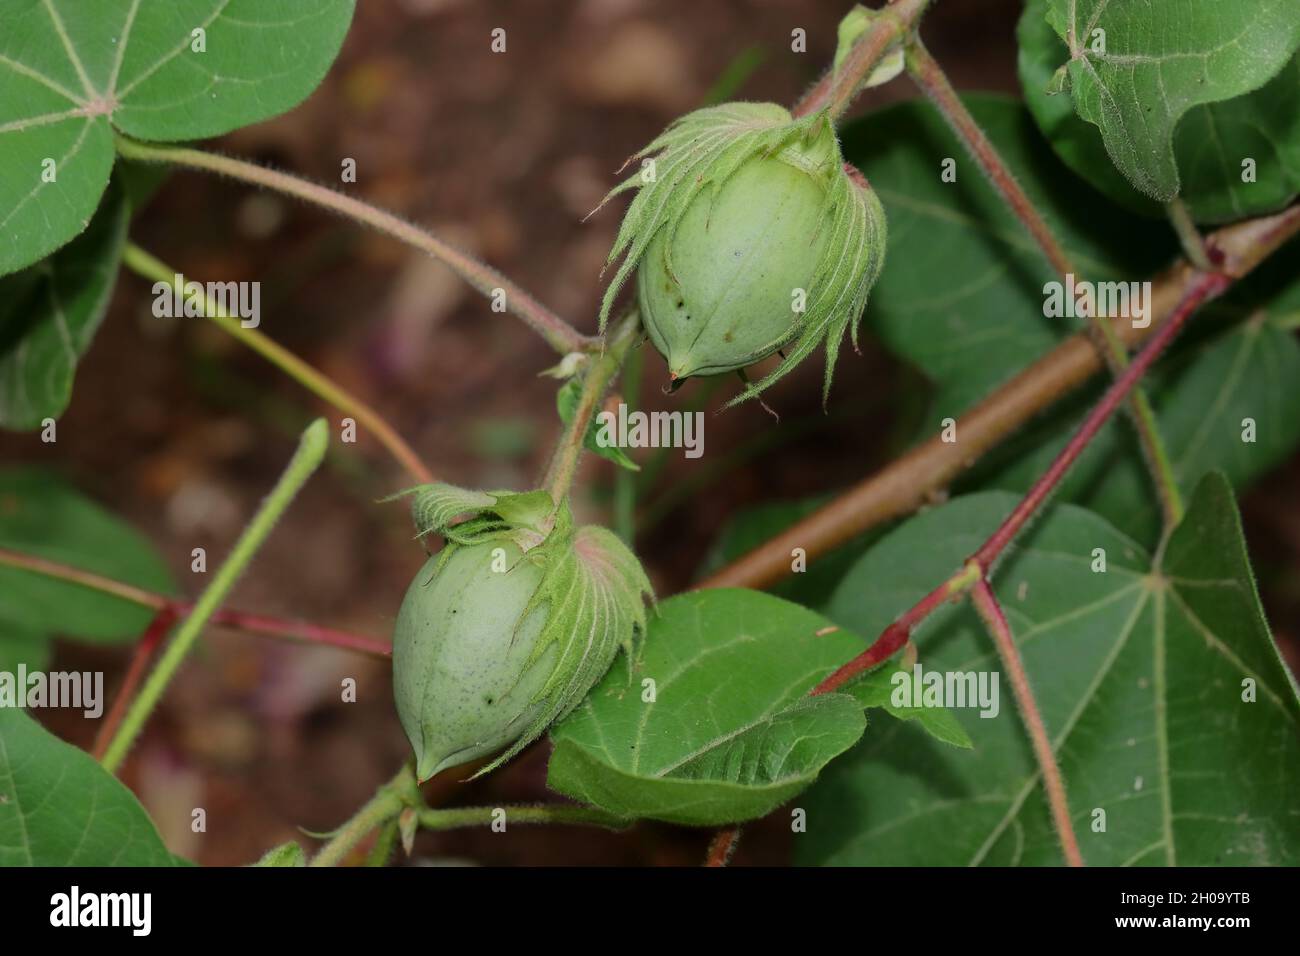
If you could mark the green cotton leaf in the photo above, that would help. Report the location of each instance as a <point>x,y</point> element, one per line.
<point>49,314</point>
<point>1211,141</point>
<point>40,515</point>
<point>566,403</point>
<point>1136,69</point>
<point>876,689</point>
<point>984,321</point>
<point>58,807</point>
<point>1162,691</point>
<point>716,725</point>
<point>74,72</point>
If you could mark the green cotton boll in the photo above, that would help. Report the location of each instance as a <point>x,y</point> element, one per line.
<point>461,679</point>
<point>749,235</point>
<point>741,259</point>
<point>506,630</point>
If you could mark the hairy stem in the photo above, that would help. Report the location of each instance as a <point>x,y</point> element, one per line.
<point>906,483</point>
<point>260,624</point>
<point>899,632</point>
<point>538,813</point>
<point>559,334</point>
<point>382,851</point>
<point>310,453</point>
<point>722,846</point>
<point>932,80</point>
<point>389,800</point>
<point>596,380</point>
<point>149,267</point>
<point>1189,237</point>
<point>986,603</point>
<point>837,89</point>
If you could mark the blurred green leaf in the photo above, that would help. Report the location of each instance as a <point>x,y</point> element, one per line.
<point>42,516</point>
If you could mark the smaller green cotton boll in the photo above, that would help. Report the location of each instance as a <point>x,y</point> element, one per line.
<point>461,677</point>
<point>749,235</point>
<point>741,257</point>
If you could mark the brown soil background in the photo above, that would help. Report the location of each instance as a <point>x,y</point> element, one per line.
<point>181,431</point>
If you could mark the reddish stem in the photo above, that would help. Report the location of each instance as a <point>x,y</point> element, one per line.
<point>296,630</point>
<point>837,89</point>
<point>991,611</point>
<point>722,846</point>
<point>239,620</point>
<point>932,80</point>
<point>149,642</point>
<point>890,640</point>
<point>1203,288</point>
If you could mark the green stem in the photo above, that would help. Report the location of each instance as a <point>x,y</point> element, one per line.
<point>383,849</point>
<point>389,801</point>
<point>1193,243</point>
<point>602,370</point>
<point>930,77</point>
<point>311,450</point>
<point>147,266</point>
<point>625,483</point>
<point>457,817</point>
<point>561,336</point>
